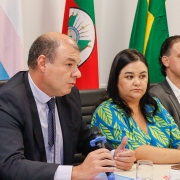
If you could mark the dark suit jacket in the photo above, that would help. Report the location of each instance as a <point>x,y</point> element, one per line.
<point>22,151</point>
<point>165,94</point>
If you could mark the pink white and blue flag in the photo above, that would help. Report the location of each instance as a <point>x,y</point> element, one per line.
<point>11,38</point>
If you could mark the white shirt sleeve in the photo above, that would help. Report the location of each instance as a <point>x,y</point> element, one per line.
<point>63,172</point>
<point>112,152</point>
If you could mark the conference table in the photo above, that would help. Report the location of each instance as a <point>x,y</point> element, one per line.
<point>161,172</point>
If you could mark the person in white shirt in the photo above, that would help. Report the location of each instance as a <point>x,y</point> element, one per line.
<point>168,91</point>
<point>38,139</point>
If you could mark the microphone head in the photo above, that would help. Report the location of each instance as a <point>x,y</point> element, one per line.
<point>95,132</point>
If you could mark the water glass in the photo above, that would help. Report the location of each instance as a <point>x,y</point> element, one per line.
<point>174,175</point>
<point>144,170</point>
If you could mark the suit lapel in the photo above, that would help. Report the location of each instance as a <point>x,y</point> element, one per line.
<point>172,96</point>
<point>36,121</point>
<point>64,112</point>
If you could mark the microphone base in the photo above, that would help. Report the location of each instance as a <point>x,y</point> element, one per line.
<point>110,176</point>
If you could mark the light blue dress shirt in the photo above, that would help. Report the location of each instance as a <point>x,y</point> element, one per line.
<point>41,99</point>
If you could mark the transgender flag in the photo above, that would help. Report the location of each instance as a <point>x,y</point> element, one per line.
<point>11,47</point>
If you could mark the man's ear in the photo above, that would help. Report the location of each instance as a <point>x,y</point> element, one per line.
<point>165,61</point>
<point>41,62</point>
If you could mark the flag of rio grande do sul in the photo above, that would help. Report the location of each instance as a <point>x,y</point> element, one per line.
<point>79,23</point>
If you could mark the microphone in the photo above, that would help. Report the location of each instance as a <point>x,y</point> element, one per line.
<point>99,140</point>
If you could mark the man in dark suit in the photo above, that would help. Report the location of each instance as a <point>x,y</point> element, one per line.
<point>30,147</point>
<point>169,90</point>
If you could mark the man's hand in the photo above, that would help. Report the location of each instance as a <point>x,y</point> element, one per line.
<point>124,158</point>
<point>96,162</point>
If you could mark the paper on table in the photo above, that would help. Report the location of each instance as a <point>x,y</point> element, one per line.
<point>102,176</point>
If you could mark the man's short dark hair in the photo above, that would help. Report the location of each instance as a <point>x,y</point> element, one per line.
<point>165,50</point>
<point>43,45</point>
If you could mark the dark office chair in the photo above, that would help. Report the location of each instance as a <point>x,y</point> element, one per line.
<point>89,100</point>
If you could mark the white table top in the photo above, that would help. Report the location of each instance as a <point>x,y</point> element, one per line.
<point>160,171</point>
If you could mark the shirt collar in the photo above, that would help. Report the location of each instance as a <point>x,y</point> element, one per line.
<point>38,94</point>
<point>173,87</point>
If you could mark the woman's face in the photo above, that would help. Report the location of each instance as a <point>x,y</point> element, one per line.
<point>132,81</point>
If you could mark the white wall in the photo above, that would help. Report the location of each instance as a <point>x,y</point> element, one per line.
<point>114,19</point>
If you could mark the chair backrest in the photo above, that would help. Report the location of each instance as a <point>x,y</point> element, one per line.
<point>89,100</point>
<point>2,82</point>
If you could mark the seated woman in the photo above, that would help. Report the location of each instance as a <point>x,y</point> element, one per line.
<point>129,110</point>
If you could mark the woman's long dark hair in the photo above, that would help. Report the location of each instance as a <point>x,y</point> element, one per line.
<point>122,59</point>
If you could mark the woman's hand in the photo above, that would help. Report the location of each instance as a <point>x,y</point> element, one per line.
<point>124,158</point>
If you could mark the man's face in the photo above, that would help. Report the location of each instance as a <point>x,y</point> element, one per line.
<point>172,62</point>
<point>60,76</point>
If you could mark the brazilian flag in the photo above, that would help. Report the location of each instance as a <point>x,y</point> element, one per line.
<point>150,29</point>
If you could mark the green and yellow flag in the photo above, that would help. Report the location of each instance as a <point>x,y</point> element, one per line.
<point>149,31</point>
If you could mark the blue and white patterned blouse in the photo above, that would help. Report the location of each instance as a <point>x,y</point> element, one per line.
<point>115,124</point>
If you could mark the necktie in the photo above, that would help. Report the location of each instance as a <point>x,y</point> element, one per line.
<point>51,121</point>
